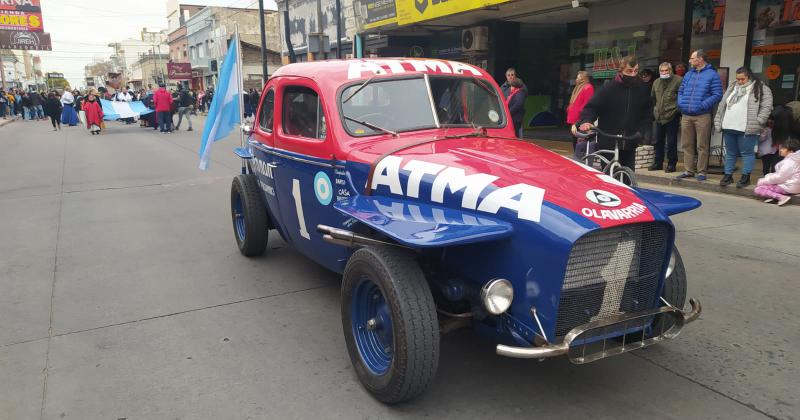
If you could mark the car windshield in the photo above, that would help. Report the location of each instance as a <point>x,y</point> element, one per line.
<point>398,105</point>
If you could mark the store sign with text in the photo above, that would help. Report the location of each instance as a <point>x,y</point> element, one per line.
<point>179,71</point>
<point>23,5</point>
<point>378,13</point>
<point>15,40</point>
<point>17,20</point>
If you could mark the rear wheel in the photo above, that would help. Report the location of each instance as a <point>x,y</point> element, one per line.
<point>390,323</point>
<point>249,216</point>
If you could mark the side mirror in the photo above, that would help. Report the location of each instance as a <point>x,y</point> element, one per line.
<point>247,128</point>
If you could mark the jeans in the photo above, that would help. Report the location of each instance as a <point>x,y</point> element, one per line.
<point>26,113</point>
<point>696,139</point>
<point>2,110</point>
<point>667,134</point>
<point>738,144</point>
<point>37,111</point>
<point>165,121</point>
<point>184,111</point>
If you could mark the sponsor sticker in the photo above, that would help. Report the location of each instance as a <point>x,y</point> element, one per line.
<point>323,188</point>
<point>603,198</point>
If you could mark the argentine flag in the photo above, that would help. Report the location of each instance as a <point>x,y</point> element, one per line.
<point>224,114</point>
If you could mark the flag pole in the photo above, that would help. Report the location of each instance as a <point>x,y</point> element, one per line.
<point>240,87</point>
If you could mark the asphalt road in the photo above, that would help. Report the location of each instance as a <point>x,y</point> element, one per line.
<point>123,295</point>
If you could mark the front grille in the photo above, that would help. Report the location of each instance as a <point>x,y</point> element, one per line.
<point>612,271</point>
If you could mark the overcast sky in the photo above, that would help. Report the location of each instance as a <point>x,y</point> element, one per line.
<point>82,29</point>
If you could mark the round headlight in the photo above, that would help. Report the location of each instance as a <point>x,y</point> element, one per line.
<point>671,266</point>
<point>497,296</point>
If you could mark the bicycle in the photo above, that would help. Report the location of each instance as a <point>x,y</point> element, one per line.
<point>612,166</point>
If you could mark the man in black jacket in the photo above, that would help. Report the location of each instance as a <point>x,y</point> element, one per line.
<point>621,106</point>
<point>185,106</point>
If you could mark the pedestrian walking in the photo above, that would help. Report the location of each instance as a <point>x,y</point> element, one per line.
<point>185,107</point>
<point>700,91</point>
<point>741,117</point>
<point>68,114</point>
<point>516,105</point>
<point>664,96</point>
<point>94,114</point>
<point>785,182</point>
<point>27,106</point>
<point>581,93</point>
<point>53,108</point>
<point>37,110</point>
<point>162,100</point>
<point>620,107</point>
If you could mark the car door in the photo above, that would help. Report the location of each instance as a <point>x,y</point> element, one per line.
<point>304,170</point>
<point>262,145</point>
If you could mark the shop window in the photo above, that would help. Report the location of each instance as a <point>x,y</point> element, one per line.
<point>775,50</point>
<point>267,111</point>
<point>708,19</point>
<point>302,113</point>
<point>652,44</point>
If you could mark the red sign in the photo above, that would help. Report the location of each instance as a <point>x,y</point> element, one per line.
<point>24,5</point>
<point>14,40</point>
<point>15,20</point>
<point>179,71</point>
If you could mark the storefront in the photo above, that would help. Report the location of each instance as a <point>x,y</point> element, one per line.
<point>775,46</point>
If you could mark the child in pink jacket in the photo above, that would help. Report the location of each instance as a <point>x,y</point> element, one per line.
<point>786,178</point>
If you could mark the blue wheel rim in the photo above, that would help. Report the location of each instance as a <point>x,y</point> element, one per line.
<point>372,327</point>
<point>238,217</point>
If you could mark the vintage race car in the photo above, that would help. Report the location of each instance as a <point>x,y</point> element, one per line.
<point>404,175</point>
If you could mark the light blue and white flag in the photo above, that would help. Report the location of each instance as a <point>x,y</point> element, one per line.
<point>116,110</point>
<point>224,114</point>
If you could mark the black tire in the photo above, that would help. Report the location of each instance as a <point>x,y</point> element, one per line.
<point>625,175</point>
<point>415,329</point>
<point>675,284</point>
<point>250,217</point>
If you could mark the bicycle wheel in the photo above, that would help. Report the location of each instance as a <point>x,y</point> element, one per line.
<point>624,175</point>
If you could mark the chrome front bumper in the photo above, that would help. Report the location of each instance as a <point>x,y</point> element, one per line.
<point>580,340</point>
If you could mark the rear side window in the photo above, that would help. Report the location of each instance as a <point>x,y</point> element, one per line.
<point>267,111</point>
<point>302,113</point>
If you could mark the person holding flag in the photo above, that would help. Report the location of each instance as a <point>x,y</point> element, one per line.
<point>226,108</point>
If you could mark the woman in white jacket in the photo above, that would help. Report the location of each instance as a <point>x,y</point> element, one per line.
<point>741,115</point>
<point>785,181</point>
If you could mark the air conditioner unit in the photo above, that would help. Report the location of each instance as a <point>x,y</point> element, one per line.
<point>475,39</point>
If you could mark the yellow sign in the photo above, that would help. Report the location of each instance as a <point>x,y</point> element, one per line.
<point>412,11</point>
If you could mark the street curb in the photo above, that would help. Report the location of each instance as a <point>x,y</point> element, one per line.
<point>4,122</point>
<point>708,186</point>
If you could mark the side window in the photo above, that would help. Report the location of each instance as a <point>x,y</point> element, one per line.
<point>302,113</point>
<point>267,111</point>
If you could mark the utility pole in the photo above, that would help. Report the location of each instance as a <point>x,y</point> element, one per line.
<point>2,71</point>
<point>264,72</point>
<point>339,29</point>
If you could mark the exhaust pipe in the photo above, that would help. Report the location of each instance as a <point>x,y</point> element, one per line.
<point>350,239</point>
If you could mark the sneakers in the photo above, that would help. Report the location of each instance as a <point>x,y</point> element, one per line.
<point>655,167</point>
<point>685,175</point>
<point>769,200</point>
<point>701,177</point>
<point>726,180</point>
<point>744,181</point>
<point>784,200</point>
<point>670,169</point>
<point>189,129</point>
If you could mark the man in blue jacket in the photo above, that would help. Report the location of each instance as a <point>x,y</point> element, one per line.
<point>700,91</point>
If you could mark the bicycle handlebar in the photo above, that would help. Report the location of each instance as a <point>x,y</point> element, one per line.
<point>595,129</point>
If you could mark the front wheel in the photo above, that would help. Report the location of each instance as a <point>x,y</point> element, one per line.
<point>390,323</point>
<point>624,175</point>
<point>249,216</point>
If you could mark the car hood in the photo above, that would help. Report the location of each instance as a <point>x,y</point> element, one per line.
<point>508,178</point>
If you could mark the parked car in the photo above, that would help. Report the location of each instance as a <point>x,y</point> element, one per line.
<point>404,176</point>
